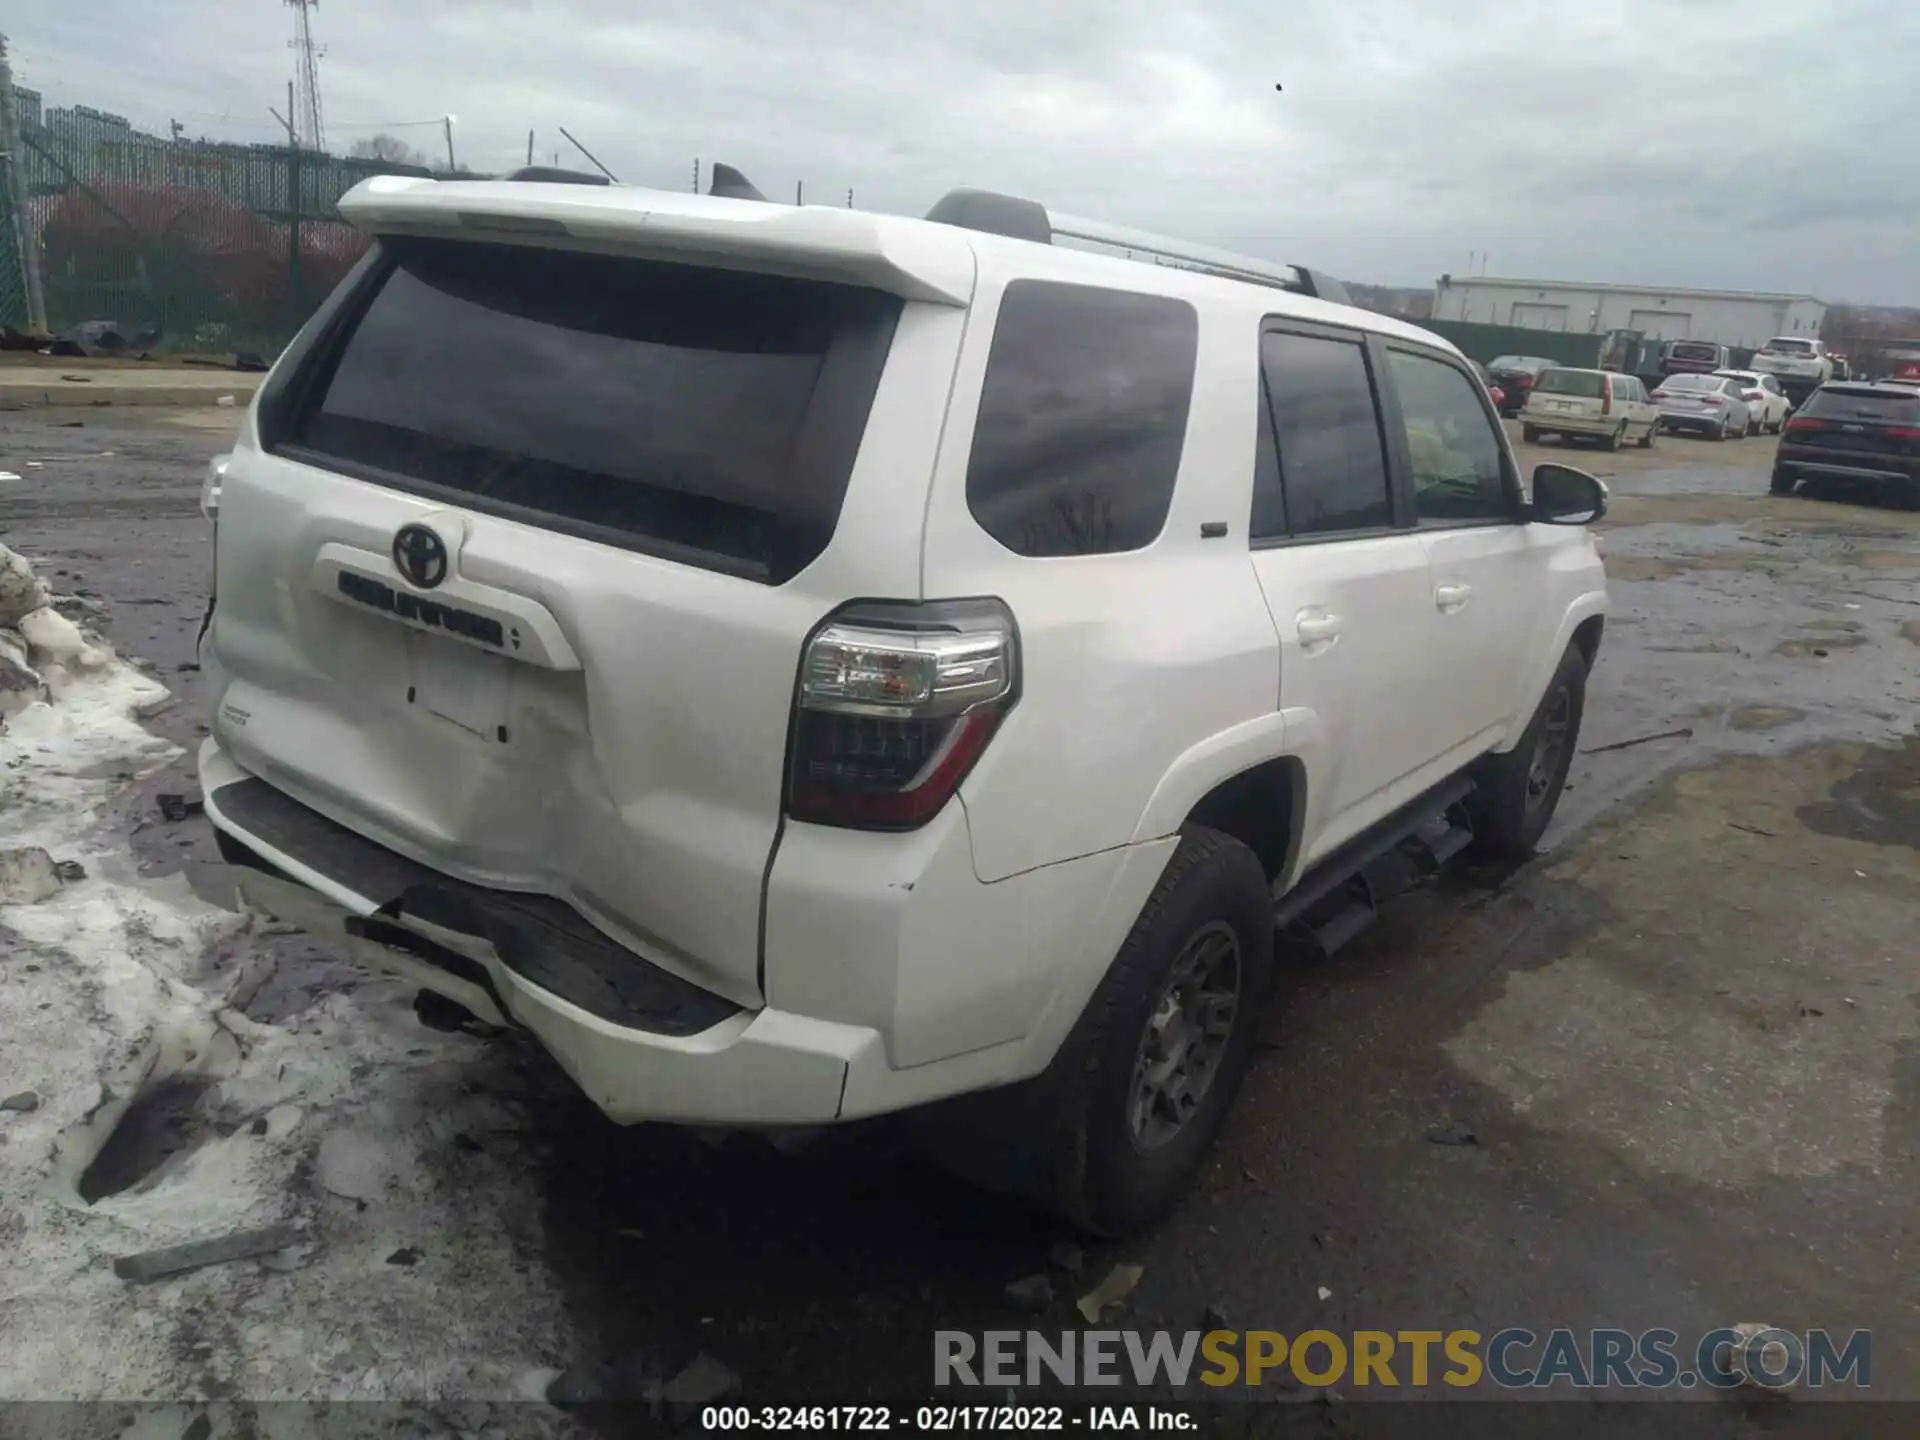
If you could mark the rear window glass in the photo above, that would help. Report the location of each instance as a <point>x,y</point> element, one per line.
<point>1083,414</point>
<point>1787,347</point>
<point>1588,384</point>
<point>1695,352</point>
<point>1703,383</point>
<point>711,415</point>
<point>1863,405</point>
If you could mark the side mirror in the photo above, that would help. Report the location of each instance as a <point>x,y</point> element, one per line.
<point>1563,495</point>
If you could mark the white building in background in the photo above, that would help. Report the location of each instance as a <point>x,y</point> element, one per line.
<point>1740,318</point>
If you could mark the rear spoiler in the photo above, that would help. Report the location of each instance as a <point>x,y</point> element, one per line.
<point>850,246</point>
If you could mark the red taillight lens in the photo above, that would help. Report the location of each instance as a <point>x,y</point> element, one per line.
<point>1903,432</point>
<point>1524,382</point>
<point>1799,425</point>
<point>1606,395</point>
<point>1753,394</point>
<point>896,703</point>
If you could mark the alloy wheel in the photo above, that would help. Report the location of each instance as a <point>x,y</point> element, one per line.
<point>1549,748</point>
<point>1185,1038</point>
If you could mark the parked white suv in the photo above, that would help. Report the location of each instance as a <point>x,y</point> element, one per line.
<point>803,664</point>
<point>1800,365</point>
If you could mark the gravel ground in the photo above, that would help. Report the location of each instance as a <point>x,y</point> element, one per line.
<point>1683,1042</point>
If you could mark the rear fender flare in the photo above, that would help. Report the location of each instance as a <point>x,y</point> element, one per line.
<point>1296,734</point>
<point>1583,609</point>
<point>1204,765</point>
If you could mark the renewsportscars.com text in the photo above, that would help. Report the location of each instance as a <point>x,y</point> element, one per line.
<point>1512,1358</point>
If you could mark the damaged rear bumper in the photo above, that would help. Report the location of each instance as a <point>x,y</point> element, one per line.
<point>643,1044</point>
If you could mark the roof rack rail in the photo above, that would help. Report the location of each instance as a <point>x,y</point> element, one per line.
<point>554,175</point>
<point>997,214</point>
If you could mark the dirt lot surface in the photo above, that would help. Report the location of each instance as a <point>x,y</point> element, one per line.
<point>1681,1049</point>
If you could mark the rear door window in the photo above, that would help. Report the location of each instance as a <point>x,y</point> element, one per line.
<point>1083,417</point>
<point>1326,421</point>
<point>709,415</point>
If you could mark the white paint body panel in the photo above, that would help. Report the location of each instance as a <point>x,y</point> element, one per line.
<point>648,706</point>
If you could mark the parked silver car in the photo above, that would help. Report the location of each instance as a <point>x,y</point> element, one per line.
<point>1709,405</point>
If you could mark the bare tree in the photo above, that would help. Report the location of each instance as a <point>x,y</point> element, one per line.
<point>387,147</point>
<point>1080,523</point>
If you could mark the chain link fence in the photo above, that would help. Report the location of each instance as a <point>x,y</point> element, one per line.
<point>185,245</point>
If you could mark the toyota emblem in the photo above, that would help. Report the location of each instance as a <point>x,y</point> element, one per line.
<point>420,555</point>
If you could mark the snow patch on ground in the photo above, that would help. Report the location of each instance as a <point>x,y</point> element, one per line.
<point>353,1123</point>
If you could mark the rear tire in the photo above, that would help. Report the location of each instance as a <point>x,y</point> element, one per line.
<point>1079,1138</point>
<point>1719,433</point>
<point>1646,440</point>
<point>1515,794</point>
<point>1780,484</point>
<point>1530,434</point>
<point>1611,441</point>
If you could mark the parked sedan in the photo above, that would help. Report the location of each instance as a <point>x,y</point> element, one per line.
<point>1855,431</point>
<point>1709,405</point>
<point>1766,401</point>
<point>1495,392</point>
<point>1515,374</point>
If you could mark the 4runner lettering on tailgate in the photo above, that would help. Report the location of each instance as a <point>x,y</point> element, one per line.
<point>953,651</point>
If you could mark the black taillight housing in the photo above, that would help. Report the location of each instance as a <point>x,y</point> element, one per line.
<point>894,704</point>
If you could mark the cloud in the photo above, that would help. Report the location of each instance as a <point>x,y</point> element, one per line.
<point>1763,144</point>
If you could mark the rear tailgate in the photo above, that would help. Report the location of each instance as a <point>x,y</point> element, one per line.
<point>1685,359</point>
<point>1576,395</point>
<point>515,575</point>
<point>1849,421</point>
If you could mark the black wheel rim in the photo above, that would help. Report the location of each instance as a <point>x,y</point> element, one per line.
<point>1549,749</point>
<point>1185,1038</point>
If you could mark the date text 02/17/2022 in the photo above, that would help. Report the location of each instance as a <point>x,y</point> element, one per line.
<point>942,1419</point>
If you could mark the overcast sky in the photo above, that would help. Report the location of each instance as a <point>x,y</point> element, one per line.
<point>1764,144</point>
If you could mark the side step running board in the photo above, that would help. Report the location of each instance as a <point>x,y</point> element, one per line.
<point>1342,895</point>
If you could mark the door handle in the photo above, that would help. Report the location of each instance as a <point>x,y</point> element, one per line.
<point>1317,627</point>
<point>1452,597</point>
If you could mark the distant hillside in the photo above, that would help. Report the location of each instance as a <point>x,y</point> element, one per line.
<point>1863,332</point>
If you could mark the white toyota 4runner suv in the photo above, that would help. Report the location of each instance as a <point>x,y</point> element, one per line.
<point>802,664</point>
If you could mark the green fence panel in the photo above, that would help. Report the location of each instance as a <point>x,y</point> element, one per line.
<point>185,244</point>
<point>1487,342</point>
<point>13,277</point>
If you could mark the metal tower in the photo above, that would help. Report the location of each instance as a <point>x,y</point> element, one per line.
<point>306,77</point>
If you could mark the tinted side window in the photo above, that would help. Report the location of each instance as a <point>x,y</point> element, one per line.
<point>1457,470</point>
<point>1333,467</point>
<point>1083,414</point>
<point>1269,504</point>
